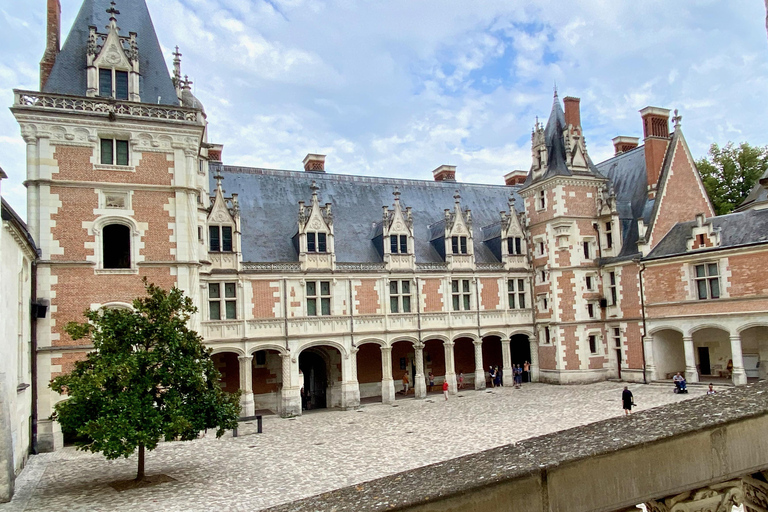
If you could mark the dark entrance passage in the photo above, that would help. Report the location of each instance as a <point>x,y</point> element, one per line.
<point>704,365</point>
<point>520,352</point>
<point>313,366</point>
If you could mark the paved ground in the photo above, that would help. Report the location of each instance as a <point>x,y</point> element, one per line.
<point>321,451</point>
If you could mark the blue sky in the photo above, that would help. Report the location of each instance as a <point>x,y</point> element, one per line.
<point>400,87</point>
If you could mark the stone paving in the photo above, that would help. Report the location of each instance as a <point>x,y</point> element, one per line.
<point>320,451</point>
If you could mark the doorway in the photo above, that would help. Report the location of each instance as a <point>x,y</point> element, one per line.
<point>313,366</point>
<point>704,366</point>
<point>521,352</point>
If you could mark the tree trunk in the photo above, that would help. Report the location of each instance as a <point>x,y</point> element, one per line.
<point>140,472</point>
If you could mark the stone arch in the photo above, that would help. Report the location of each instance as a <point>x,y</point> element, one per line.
<point>266,368</point>
<point>267,346</point>
<point>322,374</point>
<point>338,346</point>
<point>227,363</point>
<point>369,363</point>
<point>751,325</point>
<point>668,352</point>
<point>220,349</point>
<point>369,341</point>
<point>754,349</point>
<point>409,339</point>
<point>712,349</point>
<point>693,330</point>
<point>660,328</point>
<point>115,305</point>
<point>502,335</point>
<point>471,336</point>
<point>440,337</point>
<point>523,332</point>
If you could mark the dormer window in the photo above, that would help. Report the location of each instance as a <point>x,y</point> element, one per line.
<point>459,244</point>
<point>514,245</point>
<point>316,242</point>
<point>114,152</point>
<point>113,83</point>
<point>608,235</point>
<point>398,244</point>
<point>220,238</point>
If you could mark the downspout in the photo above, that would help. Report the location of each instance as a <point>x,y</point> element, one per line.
<point>285,313</point>
<point>33,357</point>
<point>642,309</point>
<point>418,307</point>
<point>351,314</point>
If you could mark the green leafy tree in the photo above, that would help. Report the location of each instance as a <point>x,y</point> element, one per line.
<point>730,172</point>
<point>149,378</point>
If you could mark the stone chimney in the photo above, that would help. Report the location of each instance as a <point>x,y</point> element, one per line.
<point>572,111</point>
<point>52,45</point>
<point>445,173</point>
<point>314,163</point>
<point>656,139</point>
<point>623,144</point>
<point>516,177</point>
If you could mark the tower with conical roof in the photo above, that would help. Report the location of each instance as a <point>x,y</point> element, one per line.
<point>117,177</point>
<point>562,207</point>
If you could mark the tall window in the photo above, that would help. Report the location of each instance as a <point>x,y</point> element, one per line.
<point>587,250</point>
<point>514,245</point>
<point>318,294</point>
<point>542,250</point>
<point>617,336</point>
<point>612,287</point>
<point>460,294</point>
<point>108,77</point>
<point>516,293</point>
<point>707,281</point>
<point>591,310</point>
<point>588,282</point>
<point>116,246</point>
<point>459,244</point>
<point>398,244</point>
<point>592,344</point>
<point>220,238</point>
<point>400,296</point>
<point>542,200</point>
<point>114,152</point>
<point>608,235</point>
<point>316,242</point>
<point>222,301</point>
<point>547,336</point>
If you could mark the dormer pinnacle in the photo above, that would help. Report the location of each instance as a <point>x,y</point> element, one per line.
<point>112,14</point>
<point>314,239</point>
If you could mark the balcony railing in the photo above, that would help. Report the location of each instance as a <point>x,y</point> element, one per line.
<point>107,106</point>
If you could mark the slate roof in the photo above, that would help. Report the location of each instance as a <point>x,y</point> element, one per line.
<point>269,211</point>
<point>68,75</point>
<point>9,214</point>
<point>758,194</point>
<point>627,174</point>
<point>736,229</point>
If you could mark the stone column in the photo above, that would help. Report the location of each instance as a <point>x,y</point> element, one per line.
<point>479,368</point>
<point>246,385</point>
<point>650,364</point>
<point>387,383</point>
<point>739,376</point>
<point>350,388</point>
<point>450,372</point>
<point>691,374</point>
<point>534,348</point>
<point>507,375</point>
<point>291,393</point>
<point>419,384</point>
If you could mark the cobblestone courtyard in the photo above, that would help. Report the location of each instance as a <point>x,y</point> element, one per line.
<point>321,451</point>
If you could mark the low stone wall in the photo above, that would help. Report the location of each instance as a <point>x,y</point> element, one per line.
<point>605,466</point>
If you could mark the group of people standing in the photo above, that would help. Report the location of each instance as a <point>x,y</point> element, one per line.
<point>520,374</point>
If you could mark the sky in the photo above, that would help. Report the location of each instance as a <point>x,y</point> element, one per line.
<point>397,88</point>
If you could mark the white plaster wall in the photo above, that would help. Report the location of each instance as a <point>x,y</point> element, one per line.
<point>668,353</point>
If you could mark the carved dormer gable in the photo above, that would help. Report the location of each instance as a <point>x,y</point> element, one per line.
<point>223,236</point>
<point>397,235</point>
<point>315,234</point>
<point>112,62</point>
<point>703,235</point>
<point>459,249</point>
<point>513,244</point>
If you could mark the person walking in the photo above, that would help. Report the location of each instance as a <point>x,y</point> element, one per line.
<point>518,376</point>
<point>527,371</point>
<point>431,381</point>
<point>711,390</point>
<point>627,401</point>
<point>492,376</point>
<point>445,389</point>
<point>406,382</point>
<point>497,376</point>
<point>461,380</point>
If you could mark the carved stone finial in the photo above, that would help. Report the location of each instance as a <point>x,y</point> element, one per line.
<point>112,11</point>
<point>186,83</point>
<point>511,201</point>
<point>314,188</point>
<point>396,193</point>
<point>457,197</point>
<point>677,119</point>
<point>218,177</point>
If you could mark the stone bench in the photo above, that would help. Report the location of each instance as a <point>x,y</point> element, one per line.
<point>258,419</point>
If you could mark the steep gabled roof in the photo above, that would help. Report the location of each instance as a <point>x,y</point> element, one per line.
<point>68,75</point>
<point>758,194</point>
<point>268,201</point>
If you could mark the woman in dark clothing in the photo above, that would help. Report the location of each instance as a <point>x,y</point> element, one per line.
<point>628,400</point>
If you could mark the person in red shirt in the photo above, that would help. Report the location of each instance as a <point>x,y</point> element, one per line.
<point>445,389</point>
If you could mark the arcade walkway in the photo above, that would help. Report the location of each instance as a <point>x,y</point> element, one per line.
<point>297,458</point>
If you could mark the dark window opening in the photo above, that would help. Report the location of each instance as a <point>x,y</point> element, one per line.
<point>608,235</point>
<point>117,246</point>
<point>114,152</point>
<point>403,244</point>
<point>226,238</point>
<point>261,357</point>
<point>214,238</point>
<point>121,85</point>
<point>105,82</point>
<point>593,344</point>
<point>321,247</point>
<point>311,242</point>
<point>547,337</point>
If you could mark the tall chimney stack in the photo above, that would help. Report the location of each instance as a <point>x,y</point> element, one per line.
<point>572,111</point>
<point>656,133</point>
<point>623,144</point>
<point>53,37</point>
<point>314,163</point>
<point>445,173</point>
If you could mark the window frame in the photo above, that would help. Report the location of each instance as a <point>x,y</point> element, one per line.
<point>594,344</point>
<point>398,244</point>
<point>314,291</point>
<point>708,280</point>
<point>541,200</point>
<point>113,83</point>
<point>459,245</point>
<point>400,296</point>
<point>514,245</point>
<point>612,288</point>
<point>220,238</point>
<point>317,244</point>
<point>115,146</point>
<point>461,295</point>
<point>609,235</point>
<point>222,300</point>
<point>516,293</point>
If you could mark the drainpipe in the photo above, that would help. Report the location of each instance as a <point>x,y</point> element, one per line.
<point>285,313</point>
<point>418,307</point>
<point>33,358</point>
<point>351,314</point>
<point>642,309</point>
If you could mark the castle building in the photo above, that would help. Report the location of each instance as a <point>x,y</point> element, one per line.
<point>321,290</point>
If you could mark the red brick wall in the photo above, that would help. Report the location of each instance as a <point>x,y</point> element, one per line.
<point>229,367</point>
<point>581,204</point>
<point>566,295</point>
<point>264,299</point>
<point>264,379</point>
<point>748,274</point>
<point>677,207</point>
<point>432,298</point>
<point>464,356</point>
<point>664,283</point>
<point>369,363</point>
<point>148,208</point>
<point>77,205</point>
<point>547,359</point>
<point>75,164</point>
<point>436,355</point>
<point>568,342</point>
<point>634,342</point>
<point>67,362</point>
<point>597,362</point>
<point>367,297</point>
<point>489,295</point>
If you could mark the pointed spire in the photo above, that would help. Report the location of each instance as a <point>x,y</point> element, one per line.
<point>177,67</point>
<point>555,87</point>
<point>218,177</point>
<point>112,11</point>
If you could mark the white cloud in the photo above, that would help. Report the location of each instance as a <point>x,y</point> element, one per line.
<point>399,87</point>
